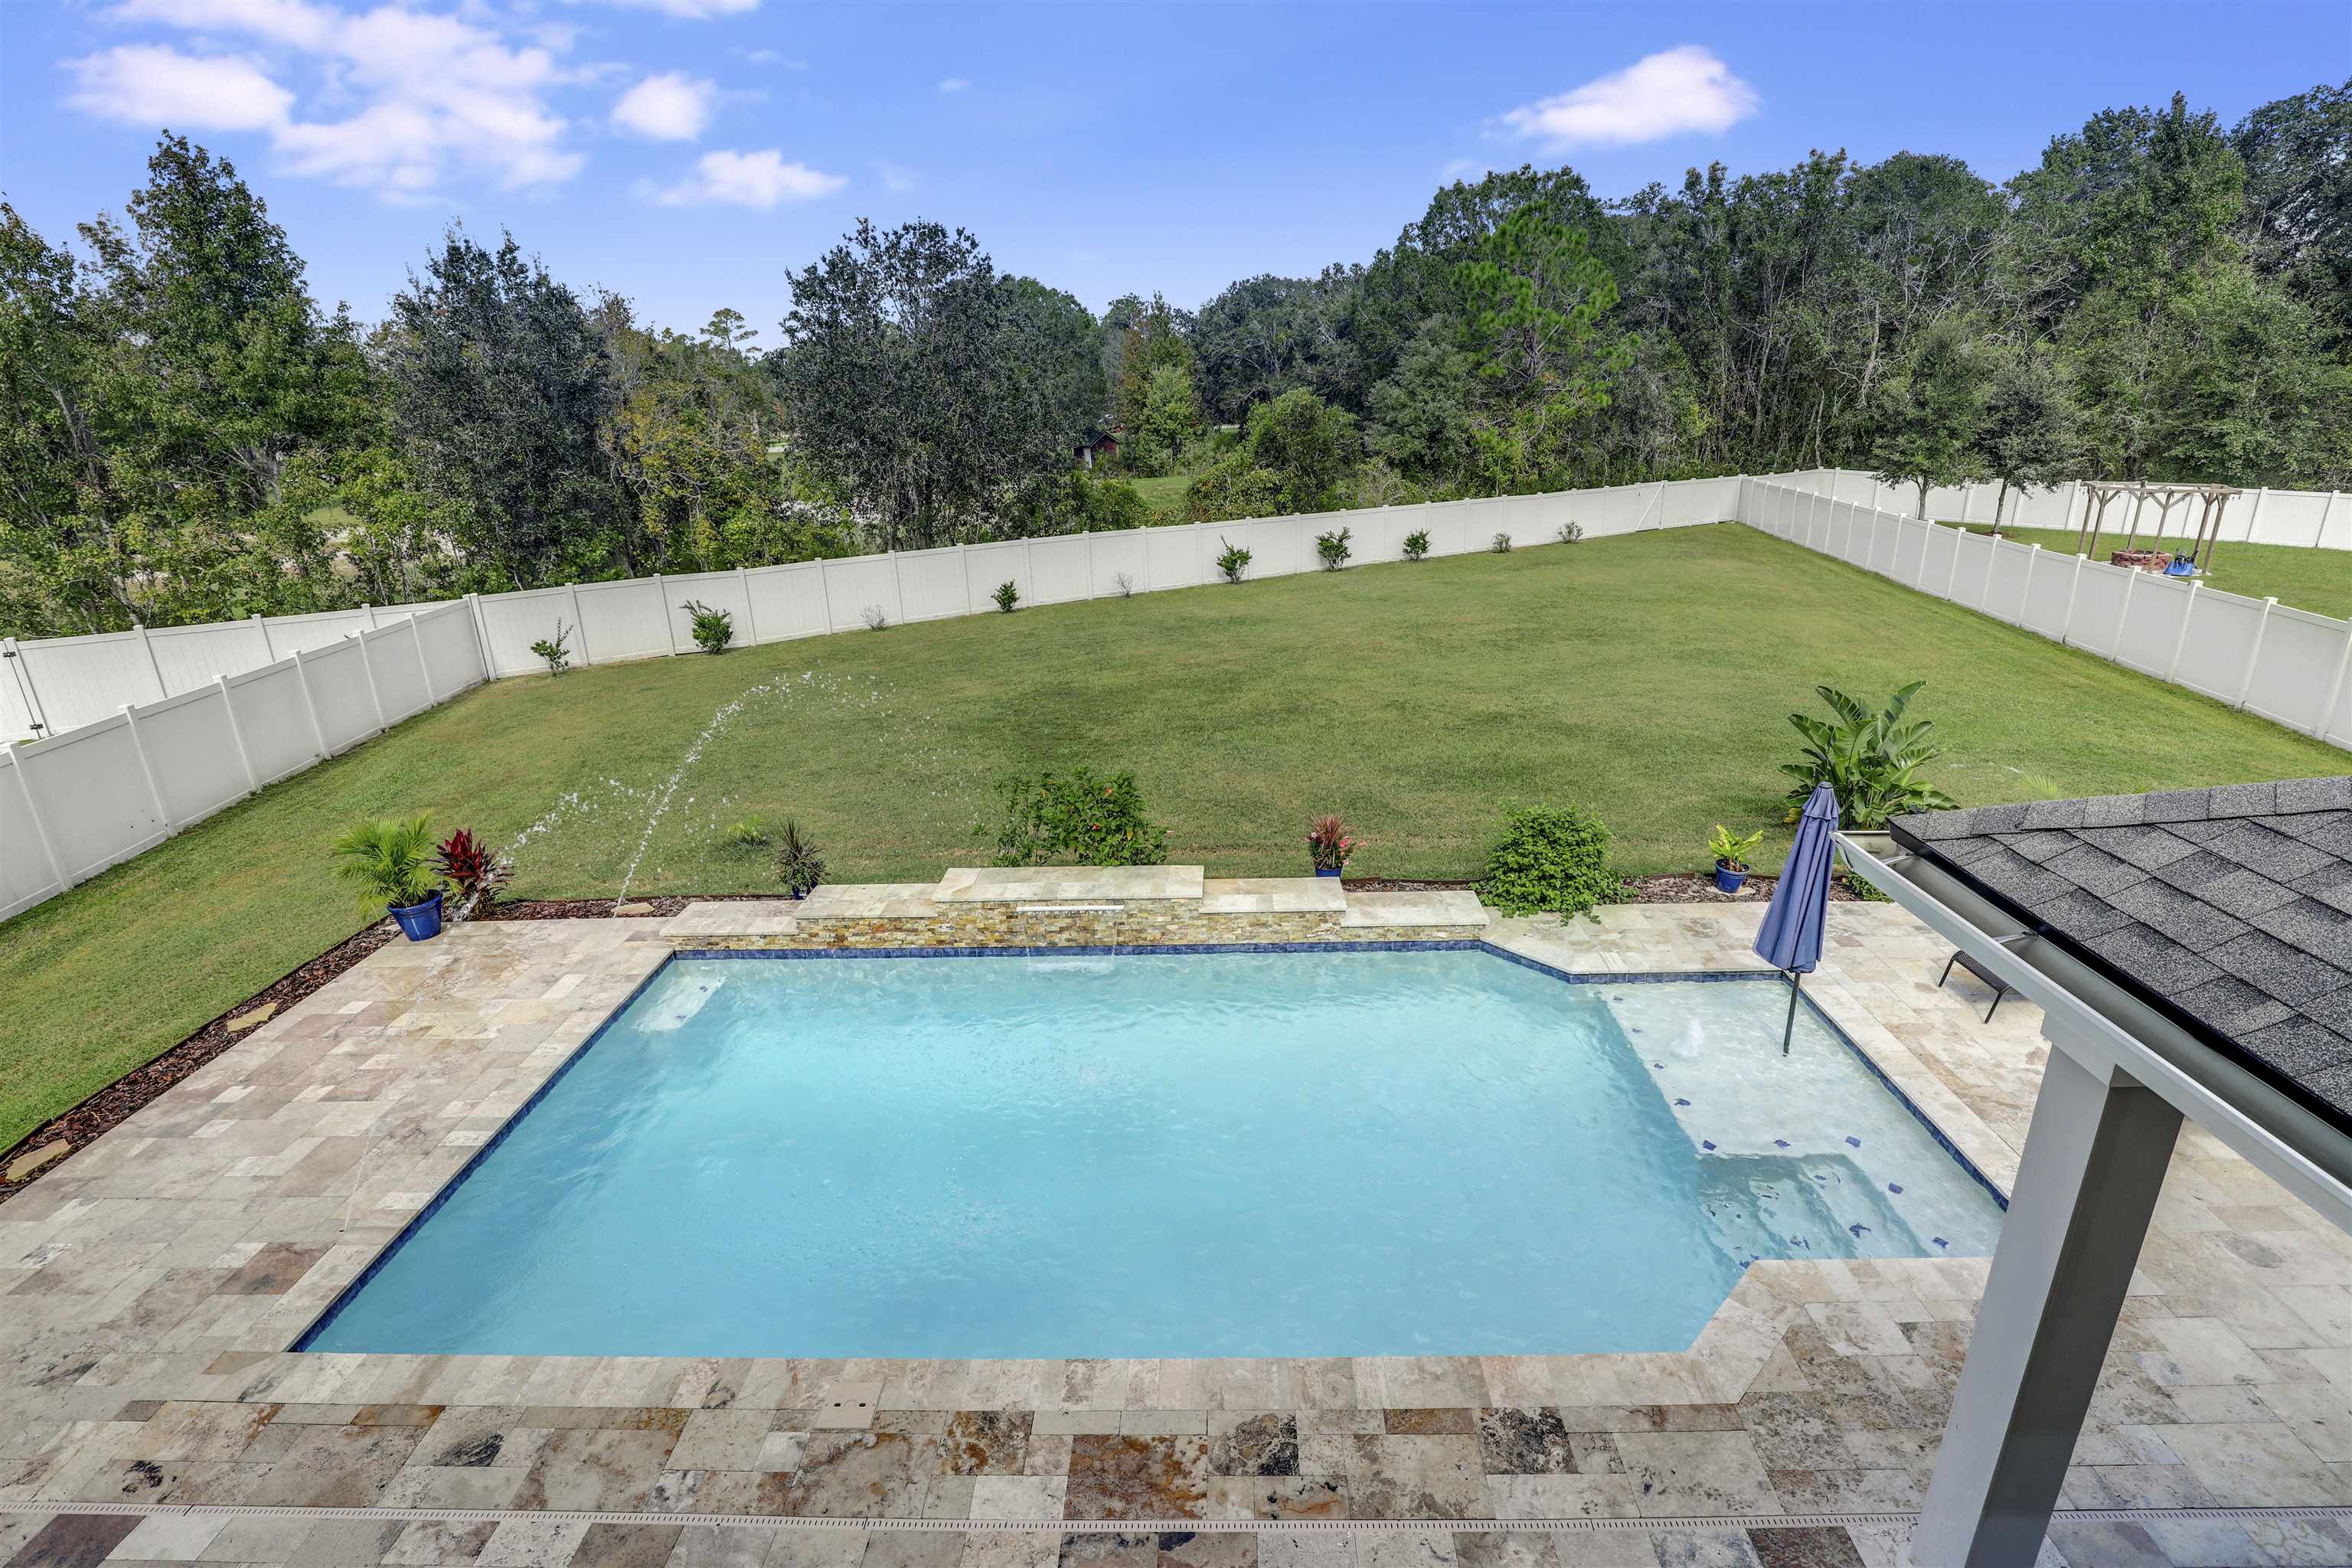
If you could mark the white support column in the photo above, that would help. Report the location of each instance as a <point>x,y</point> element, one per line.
<point>310,704</point>
<point>1952,571</point>
<point>750,615</point>
<point>577,624</point>
<point>375,694</point>
<point>481,636</point>
<point>424,665</point>
<point>2094,1162</point>
<point>2123,614</point>
<point>147,769</point>
<point>2320,726</point>
<point>155,666</point>
<point>32,810</point>
<point>1992,559</point>
<point>669,626</point>
<point>236,731</point>
<point>37,712</point>
<point>2073,589</point>
<point>2254,653</point>
<point>2025,593</point>
<point>2180,638</point>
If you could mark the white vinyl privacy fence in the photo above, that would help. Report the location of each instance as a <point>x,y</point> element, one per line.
<point>81,800</point>
<point>2310,517</point>
<point>2287,665</point>
<point>142,733</point>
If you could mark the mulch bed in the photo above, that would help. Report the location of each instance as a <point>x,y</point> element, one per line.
<point>117,1101</point>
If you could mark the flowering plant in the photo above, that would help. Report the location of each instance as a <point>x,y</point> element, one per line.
<point>1329,840</point>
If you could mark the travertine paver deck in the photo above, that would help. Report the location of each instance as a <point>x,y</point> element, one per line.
<point>148,1288</point>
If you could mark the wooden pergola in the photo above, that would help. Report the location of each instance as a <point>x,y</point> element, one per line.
<point>2205,503</point>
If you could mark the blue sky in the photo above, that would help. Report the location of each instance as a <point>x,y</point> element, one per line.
<point>690,152</point>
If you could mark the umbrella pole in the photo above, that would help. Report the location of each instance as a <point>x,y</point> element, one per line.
<point>1796,982</point>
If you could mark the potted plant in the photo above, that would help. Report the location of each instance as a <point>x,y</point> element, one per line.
<point>392,860</point>
<point>1328,841</point>
<point>1731,854</point>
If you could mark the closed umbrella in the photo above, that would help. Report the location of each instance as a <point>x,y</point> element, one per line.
<point>1790,938</point>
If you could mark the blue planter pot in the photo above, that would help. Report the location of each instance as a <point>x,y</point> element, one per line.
<point>1328,871</point>
<point>1728,880</point>
<point>419,922</point>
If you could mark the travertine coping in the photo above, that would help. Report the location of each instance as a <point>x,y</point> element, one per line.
<point>152,1282</point>
<point>1068,884</point>
<point>1272,896</point>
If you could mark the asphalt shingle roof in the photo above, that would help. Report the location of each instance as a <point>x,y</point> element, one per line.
<point>2232,905</point>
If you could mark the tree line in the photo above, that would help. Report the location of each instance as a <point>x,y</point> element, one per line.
<point>186,434</point>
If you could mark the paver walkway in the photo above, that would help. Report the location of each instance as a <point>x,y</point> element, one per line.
<point>148,1288</point>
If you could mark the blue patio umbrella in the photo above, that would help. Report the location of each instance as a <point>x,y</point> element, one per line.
<point>1790,937</point>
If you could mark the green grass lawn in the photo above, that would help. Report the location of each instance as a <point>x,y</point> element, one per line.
<point>2306,578</point>
<point>1648,676</point>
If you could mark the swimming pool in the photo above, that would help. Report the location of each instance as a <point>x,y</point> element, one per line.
<point>1331,1152</point>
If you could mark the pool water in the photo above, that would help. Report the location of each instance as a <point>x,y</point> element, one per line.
<point>1278,1153</point>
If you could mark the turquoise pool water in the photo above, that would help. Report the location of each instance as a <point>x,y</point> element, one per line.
<point>1351,1152</point>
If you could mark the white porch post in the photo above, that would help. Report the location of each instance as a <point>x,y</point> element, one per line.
<point>2095,1158</point>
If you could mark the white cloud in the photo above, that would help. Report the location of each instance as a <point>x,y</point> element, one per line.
<point>692,10</point>
<point>955,84</point>
<point>1664,94</point>
<point>148,85</point>
<point>672,107</point>
<point>759,179</point>
<point>897,178</point>
<point>390,97</point>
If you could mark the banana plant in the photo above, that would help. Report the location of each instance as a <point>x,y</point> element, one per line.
<point>1871,759</point>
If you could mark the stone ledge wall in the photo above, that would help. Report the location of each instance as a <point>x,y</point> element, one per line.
<point>1155,923</point>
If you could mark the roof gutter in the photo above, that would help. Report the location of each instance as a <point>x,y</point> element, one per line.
<point>2277,1133</point>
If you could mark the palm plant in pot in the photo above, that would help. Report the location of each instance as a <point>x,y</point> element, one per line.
<point>1330,843</point>
<point>393,862</point>
<point>1731,854</point>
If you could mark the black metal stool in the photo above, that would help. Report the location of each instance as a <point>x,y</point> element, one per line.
<point>2001,987</point>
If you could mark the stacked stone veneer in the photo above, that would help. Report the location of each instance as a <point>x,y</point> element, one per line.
<point>1081,907</point>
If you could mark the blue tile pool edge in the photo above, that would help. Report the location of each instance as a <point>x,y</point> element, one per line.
<point>344,1297</point>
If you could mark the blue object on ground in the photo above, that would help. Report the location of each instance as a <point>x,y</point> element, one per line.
<point>419,922</point>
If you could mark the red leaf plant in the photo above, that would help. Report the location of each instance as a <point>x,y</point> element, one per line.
<point>474,870</point>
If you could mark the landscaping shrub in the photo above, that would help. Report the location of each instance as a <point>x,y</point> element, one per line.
<point>1871,759</point>
<point>1125,582</point>
<point>748,833</point>
<point>1329,842</point>
<point>1234,561</point>
<point>1551,858</point>
<point>1006,595</point>
<point>1502,545</point>
<point>799,866</point>
<point>1333,549</point>
<point>874,617</point>
<point>1417,544</point>
<point>1077,817</point>
<point>713,629</point>
<point>1570,532</point>
<point>553,649</point>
